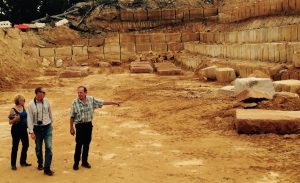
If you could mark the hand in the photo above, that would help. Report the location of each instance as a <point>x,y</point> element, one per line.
<point>72,131</point>
<point>118,103</point>
<point>17,119</point>
<point>32,135</point>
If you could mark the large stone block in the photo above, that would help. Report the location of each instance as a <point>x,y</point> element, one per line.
<point>256,121</point>
<point>224,75</point>
<point>140,15</point>
<point>167,68</point>
<point>158,38</point>
<point>47,52</point>
<point>128,47</point>
<point>296,60</point>
<point>96,52</point>
<point>273,34</point>
<point>96,41</point>
<point>207,12</point>
<point>63,51</point>
<point>79,50</point>
<point>112,39</point>
<point>196,13</point>
<point>208,73</point>
<point>125,38</point>
<point>168,14</point>
<point>154,14</point>
<point>146,47</point>
<point>141,67</point>
<point>254,87</point>
<point>175,46</point>
<point>127,15</point>
<point>112,48</point>
<point>292,86</point>
<point>142,38</point>
<point>159,47</point>
<point>183,14</point>
<point>173,37</point>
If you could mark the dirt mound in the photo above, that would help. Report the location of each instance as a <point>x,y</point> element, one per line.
<point>60,36</point>
<point>283,103</point>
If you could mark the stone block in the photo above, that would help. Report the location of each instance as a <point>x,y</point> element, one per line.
<point>154,14</point>
<point>146,47</point>
<point>140,15</point>
<point>196,13</point>
<point>173,37</point>
<point>224,75</point>
<point>47,52</point>
<point>175,46</point>
<point>63,51</point>
<point>168,14</point>
<point>287,86</point>
<point>259,121</point>
<point>159,47</point>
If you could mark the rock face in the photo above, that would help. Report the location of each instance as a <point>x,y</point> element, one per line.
<point>254,88</point>
<point>257,121</point>
<point>46,62</point>
<point>296,60</point>
<point>141,67</point>
<point>225,75</point>
<point>292,86</point>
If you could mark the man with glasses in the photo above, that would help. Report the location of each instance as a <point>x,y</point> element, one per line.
<point>40,128</point>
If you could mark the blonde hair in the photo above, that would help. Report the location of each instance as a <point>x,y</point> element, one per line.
<point>17,98</point>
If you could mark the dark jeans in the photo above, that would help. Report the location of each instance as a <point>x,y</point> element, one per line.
<point>43,133</point>
<point>83,140</point>
<point>19,133</point>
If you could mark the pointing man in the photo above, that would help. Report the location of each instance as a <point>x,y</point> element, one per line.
<point>82,115</point>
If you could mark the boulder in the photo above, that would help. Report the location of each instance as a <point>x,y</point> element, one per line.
<point>254,88</point>
<point>225,75</point>
<point>258,121</point>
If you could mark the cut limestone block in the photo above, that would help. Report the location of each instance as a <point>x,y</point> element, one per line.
<point>141,67</point>
<point>296,60</point>
<point>46,52</point>
<point>167,68</point>
<point>209,72</point>
<point>224,75</point>
<point>257,121</point>
<point>63,51</point>
<point>249,95</point>
<point>260,88</point>
<point>292,86</point>
<point>154,14</point>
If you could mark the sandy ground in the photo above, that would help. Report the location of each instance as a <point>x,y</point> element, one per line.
<point>169,129</point>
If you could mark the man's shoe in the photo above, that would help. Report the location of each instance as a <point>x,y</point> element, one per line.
<point>48,172</point>
<point>86,165</point>
<point>13,167</point>
<point>40,167</point>
<point>25,164</point>
<point>75,166</point>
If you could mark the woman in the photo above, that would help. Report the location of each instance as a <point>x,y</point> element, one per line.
<point>18,120</point>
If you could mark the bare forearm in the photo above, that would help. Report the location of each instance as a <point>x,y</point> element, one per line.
<point>71,123</point>
<point>111,103</point>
